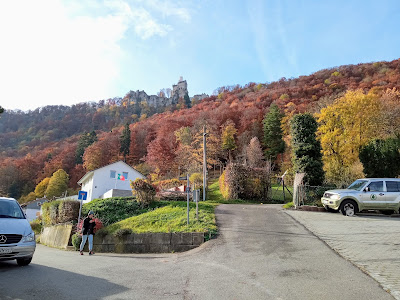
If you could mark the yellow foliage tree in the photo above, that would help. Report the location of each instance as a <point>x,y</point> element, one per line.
<point>350,122</point>
<point>41,187</point>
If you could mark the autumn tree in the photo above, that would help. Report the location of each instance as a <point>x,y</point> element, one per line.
<point>160,155</point>
<point>307,156</point>
<point>228,142</point>
<point>346,125</point>
<point>41,187</point>
<point>390,119</point>
<point>189,152</point>
<point>254,153</point>
<point>85,141</point>
<point>125,141</point>
<point>273,141</point>
<point>101,153</point>
<point>58,184</point>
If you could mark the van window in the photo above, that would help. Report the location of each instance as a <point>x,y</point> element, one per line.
<point>393,186</point>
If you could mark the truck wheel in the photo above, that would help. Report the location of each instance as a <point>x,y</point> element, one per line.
<point>348,208</point>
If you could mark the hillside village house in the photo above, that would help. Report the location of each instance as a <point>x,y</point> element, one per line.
<point>109,181</point>
<point>33,209</point>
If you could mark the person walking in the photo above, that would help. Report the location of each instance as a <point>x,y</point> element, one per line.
<point>87,232</point>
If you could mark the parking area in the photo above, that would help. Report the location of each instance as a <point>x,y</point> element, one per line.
<point>369,241</point>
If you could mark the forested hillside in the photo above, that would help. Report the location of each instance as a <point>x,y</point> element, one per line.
<point>36,144</point>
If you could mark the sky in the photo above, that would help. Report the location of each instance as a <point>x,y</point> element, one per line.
<point>63,52</point>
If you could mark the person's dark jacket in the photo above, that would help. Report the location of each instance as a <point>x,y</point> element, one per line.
<point>88,227</point>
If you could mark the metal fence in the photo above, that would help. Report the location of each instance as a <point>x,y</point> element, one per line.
<point>310,195</point>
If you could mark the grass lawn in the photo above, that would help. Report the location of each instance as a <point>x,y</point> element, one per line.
<point>170,218</point>
<point>277,194</point>
<point>173,216</point>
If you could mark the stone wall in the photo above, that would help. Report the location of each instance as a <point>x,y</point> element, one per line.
<point>148,242</point>
<point>56,236</point>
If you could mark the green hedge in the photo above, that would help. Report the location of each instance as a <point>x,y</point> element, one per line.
<point>112,210</point>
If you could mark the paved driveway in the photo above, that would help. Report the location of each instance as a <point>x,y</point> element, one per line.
<point>371,242</point>
<point>261,253</point>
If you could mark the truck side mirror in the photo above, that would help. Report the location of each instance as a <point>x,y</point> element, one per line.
<point>366,189</point>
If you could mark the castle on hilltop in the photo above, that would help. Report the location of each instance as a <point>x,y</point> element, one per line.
<point>178,91</point>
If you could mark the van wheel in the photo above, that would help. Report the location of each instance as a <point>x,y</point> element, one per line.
<point>387,212</point>
<point>348,208</point>
<point>24,261</point>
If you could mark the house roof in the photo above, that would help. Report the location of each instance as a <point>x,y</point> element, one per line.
<point>33,201</point>
<point>89,174</point>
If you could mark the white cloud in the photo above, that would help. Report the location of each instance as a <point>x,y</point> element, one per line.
<point>59,51</point>
<point>146,26</point>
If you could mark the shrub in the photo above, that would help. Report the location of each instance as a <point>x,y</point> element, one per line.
<point>169,183</point>
<point>288,205</point>
<point>76,241</point>
<point>243,182</point>
<point>54,212</point>
<point>46,220</point>
<point>68,210</point>
<point>60,211</point>
<point>223,187</point>
<point>36,226</point>
<point>143,191</point>
<point>102,232</point>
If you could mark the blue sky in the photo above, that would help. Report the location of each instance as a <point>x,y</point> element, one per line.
<point>69,51</point>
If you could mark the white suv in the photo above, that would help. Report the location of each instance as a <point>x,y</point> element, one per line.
<point>365,194</point>
<point>17,240</point>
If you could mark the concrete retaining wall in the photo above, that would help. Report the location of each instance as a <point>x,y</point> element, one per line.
<point>148,242</point>
<point>56,236</point>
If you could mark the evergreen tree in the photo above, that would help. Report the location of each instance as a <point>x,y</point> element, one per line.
<point>381,158</point>
<point>188,103</point>
<point>125,141</point>
<point>273,141</point>
<point>85,141</point>
<point>307,155</point>
<point>1,110</point>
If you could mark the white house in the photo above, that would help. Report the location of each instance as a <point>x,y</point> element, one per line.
<point>108,181</point>
<point>33,209</point>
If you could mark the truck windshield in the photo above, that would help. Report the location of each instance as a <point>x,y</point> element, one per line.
<point>357,185</point>
<point>10,209</point>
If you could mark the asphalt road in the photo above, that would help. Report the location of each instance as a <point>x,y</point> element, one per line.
<point>261,253</point>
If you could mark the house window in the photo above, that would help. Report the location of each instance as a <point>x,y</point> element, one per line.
<point>125,174</point>
<point>112,174</point>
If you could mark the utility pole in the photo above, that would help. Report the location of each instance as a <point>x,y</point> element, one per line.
<point>204,163</point>
<point>187,196</point>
